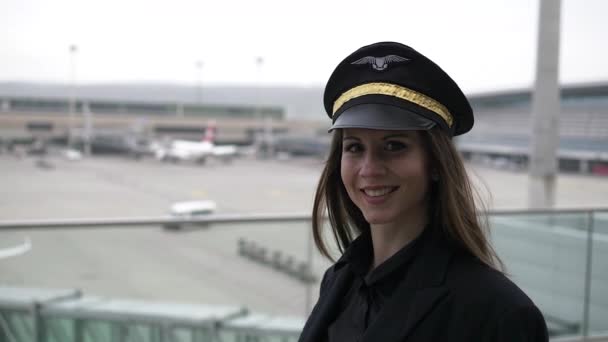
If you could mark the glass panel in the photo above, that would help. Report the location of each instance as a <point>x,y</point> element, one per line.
<point>191,265</point>
<point>16,325</point>
<point>97,331</point>
<point>59,330</point>
<point>22,326</point>
<point>598,300</point>
<point>181,335</point>
<point>259,267</point>
<point>546,256</point>
<point>227,335</point>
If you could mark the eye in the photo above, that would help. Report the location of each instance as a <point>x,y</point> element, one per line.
<point>353,147</point>
<point>394,146</point>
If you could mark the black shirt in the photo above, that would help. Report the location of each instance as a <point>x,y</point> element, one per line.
<point>370,291</point>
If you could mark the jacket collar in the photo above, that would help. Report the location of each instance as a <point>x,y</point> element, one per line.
<point>417,294</point>
<point>338,282</point>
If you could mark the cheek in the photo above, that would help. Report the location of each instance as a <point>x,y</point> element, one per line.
<point>347,174</point>
<point>423,179</point>
<point>344,172</point>
<point>416,171</point>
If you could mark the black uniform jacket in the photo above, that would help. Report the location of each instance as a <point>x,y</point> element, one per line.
<point>447,295</point>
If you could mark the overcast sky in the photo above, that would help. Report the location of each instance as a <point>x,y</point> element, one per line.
<point>483,44</point>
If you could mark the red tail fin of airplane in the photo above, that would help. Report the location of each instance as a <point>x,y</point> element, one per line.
<point>210,132</point>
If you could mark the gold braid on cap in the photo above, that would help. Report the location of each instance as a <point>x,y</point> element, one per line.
<point>389,89</point>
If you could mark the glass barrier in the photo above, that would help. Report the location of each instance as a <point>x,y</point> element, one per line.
<point>256,281</point>
<point>262,270</point>
<point>597,318</point>
<point>556,258</point>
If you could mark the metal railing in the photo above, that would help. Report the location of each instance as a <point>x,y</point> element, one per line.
<point>150,222</point>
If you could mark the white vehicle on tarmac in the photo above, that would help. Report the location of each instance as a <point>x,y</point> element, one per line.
<point>189,209</point>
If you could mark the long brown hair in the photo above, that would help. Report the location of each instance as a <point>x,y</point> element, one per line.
<point>452,201</point>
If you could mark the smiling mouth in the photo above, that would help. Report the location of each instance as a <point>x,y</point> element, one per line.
<point>378,192</point>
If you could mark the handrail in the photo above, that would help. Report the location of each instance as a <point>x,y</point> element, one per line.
<point>532,211</point>
<point>146,222</point>
<point>591,338</point>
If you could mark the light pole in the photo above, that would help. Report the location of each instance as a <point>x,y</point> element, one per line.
<point>260,117</point>
<point>259,62</point>
<point>73,50</point>
<point>199,81</point>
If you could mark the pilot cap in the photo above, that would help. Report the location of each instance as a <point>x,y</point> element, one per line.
<point>391,86</point>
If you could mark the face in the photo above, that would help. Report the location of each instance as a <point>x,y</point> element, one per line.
<point>386,174</point>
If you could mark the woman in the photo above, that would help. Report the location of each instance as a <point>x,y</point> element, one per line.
<point>416,264</point>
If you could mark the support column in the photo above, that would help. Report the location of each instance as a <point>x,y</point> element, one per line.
<point>545,109</point>
<point>6,106</point>
<point>88,128</point>
<point>584,166</point>
<point>179,112</point>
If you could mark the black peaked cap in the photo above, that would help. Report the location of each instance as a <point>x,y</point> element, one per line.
<point>382,84</point>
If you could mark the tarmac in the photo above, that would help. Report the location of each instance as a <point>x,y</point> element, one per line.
<point>195,265</point>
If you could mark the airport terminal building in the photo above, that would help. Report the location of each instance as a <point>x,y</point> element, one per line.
<point>111,115</point>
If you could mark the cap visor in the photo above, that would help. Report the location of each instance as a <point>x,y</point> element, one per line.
<point>381,116</point>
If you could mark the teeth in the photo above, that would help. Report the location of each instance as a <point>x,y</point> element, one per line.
<point>377,192</point>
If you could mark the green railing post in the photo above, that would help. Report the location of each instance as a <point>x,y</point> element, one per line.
<point>155,333</point>
<point>309,284</point>
<point>78,330</point>
<point>588,274</point>
<point>39,324</point>
<point>165,333</point>
<point>118,332</point>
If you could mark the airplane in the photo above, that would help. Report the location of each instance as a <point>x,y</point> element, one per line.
<point>197,151</point>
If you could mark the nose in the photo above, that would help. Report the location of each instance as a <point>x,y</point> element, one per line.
<point>372,165</point>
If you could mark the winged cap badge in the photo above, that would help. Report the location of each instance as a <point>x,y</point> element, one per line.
<point>381,63</point>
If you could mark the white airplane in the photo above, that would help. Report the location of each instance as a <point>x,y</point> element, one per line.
<point>197,151</point>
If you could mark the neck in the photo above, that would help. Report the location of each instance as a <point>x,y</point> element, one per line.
<point>388,239</point>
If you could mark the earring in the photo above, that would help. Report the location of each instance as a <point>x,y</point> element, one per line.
<point>434,176</point>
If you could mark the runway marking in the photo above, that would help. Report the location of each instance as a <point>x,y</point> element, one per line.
<point>17,250</point>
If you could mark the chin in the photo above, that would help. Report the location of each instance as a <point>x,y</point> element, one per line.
<point>377,218</point>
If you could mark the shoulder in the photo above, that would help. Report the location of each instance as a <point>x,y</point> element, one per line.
<point>490,295</point>
<point>328,278</point>
<point>469,277</point>
<point>478,284</point>
<point>330,275</point>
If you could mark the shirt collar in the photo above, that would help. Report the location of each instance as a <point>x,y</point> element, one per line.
<point>359,256</point>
